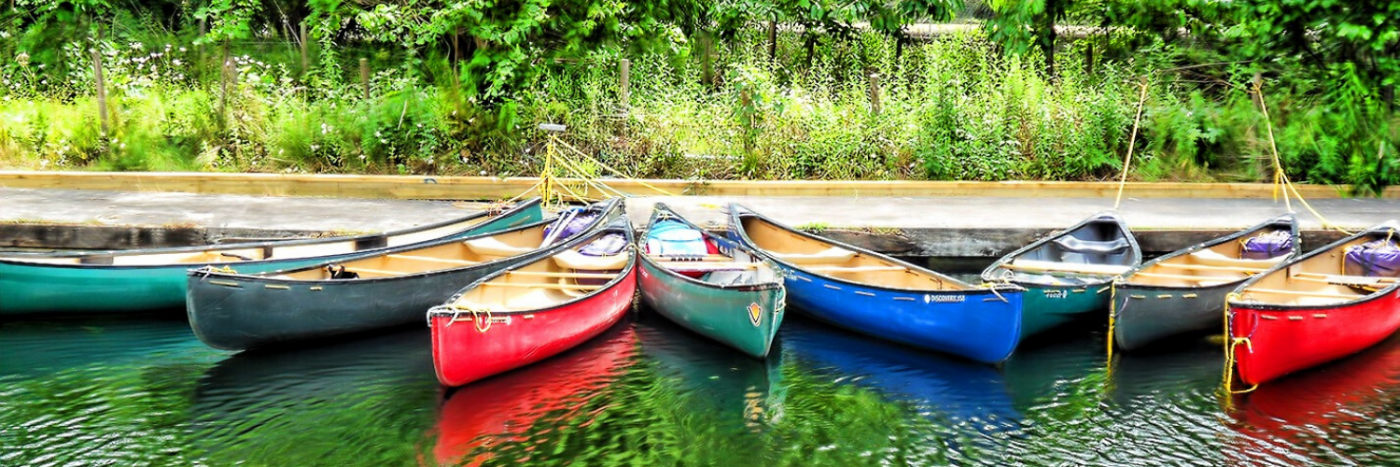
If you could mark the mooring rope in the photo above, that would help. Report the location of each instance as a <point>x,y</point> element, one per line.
<point>1281,180</point>
<point>1132,141</point>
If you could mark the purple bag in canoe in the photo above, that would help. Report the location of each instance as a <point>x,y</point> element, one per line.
<point>1270,245</point>
<point>1378,258</point>
<point>568,224</point>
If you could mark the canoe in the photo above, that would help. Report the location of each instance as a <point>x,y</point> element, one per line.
<point>233,311</point>
<point>1184,292</point>
<point>1325,305</point>
<point>154,279</point>
<point>867,292</point>
<point>530,312</point>
<point>1069,273</point>
<point>723,291</point>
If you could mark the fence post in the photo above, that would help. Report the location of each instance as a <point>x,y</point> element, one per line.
<point>624,94</point>
<point>364,75</point>
<point>773,41</point>
<point>101,90</point>
<point>223,87</point>
<point>305,56</point>
<point>874,94</point>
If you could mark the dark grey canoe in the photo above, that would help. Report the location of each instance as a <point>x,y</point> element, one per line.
<point>1144,313</point>
<point>243,311</point>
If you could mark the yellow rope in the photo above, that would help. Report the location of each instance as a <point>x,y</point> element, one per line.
<point>1132,140</point>
<point>1112,310</point>
<point>1231,343</point>
<point>1280,178</point>
<point>614,171</point>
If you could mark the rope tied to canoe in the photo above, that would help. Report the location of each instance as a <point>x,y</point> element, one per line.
<point>477,315</point>
<point>1281,181</point>
<point>991,287</point>
<point>1231,343</point>
<point>1112,311</point>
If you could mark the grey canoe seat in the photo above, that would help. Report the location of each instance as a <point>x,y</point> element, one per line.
<point>1091,247</point>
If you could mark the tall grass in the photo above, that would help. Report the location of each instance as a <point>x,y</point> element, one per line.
<point>950,109</point>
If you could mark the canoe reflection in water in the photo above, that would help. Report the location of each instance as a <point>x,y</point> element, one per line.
<point>303,406</point>
<point>940,387</point>
<point>745,393</point>
<point>482,415</point>
<point>1317,416</point>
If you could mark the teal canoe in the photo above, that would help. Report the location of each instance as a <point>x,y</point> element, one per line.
<point>1070,273</point>
<point>710,284</point>
<point>155,279</point>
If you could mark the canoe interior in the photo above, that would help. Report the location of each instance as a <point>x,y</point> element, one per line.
<point>436,257</point>
<point>826,259</point>
<point>1093,252</point>
<point>241,253</point>
<point>731,266</point>
<point>1320,279</point>
<point>547,283</point>
<point>1215,265</point>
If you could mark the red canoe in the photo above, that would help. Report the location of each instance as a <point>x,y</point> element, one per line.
<point>528,313</point>
<point>479,417</point>
<point>1328,304</point>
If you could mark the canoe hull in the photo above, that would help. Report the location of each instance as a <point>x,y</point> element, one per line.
<point>1048,306</point>
<point>1281,341</point>
<point>973,324</point>
<point>257,312</point>
<point>719,313</point>
<point>473,348</point>
<point>35,288</point>
<point>1146,314</point>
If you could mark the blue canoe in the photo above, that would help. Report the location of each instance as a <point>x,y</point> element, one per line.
<point>871,293</point>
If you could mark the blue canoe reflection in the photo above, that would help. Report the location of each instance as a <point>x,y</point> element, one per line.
<point>937,386</point>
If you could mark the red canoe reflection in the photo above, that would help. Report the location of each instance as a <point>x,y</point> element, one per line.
<point>479,416</point>
<point>1303,412</point>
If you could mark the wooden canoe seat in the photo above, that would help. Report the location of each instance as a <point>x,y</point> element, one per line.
<point>1056,266</point>
<point>1203,280</point>
<point>840,269</point>
<point>829,255</point>
<point>707,266</point>
<point>571,259</point>
<point>490,246</point>
<point>1092,247</point>
<point>1211,258</point>
<point>1351,281</point>
<point>373,272</point>
<point>431,259</point>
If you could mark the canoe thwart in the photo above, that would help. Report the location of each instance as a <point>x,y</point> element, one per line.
<point>541,285</point>
<point>570,275</point>
<point>434,260</point>
<point>855,268</point>
<point>1056,266</point>
<point>1202,267</point>
<point>1303,293</point>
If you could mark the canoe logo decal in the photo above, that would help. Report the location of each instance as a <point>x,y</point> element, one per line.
<point>930,298</point>
<point>1056,293</point>
<point>755,313</point>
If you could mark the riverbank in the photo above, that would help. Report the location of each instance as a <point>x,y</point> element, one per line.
<point>909,226</point>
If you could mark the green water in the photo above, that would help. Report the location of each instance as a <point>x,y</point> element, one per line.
<point>146,392</point>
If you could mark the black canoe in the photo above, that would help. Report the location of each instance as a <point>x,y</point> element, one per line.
<point>395,287</point>
<point>1185,291</point>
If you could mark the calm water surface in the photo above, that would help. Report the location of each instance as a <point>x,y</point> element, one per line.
<point>146,392</point>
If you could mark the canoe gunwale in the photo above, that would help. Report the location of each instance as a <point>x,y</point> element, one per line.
<point>514,210</point>
<point>736,226</point>
<point>1100,217</point>
<point>1282,267</point>
<point>660,209</point>
<point>606,214</point>
<point>620,224</point>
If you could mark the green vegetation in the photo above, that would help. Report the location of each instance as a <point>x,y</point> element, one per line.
<point>773,89</point>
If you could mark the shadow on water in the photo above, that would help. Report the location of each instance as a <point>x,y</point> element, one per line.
<point>297,405</point>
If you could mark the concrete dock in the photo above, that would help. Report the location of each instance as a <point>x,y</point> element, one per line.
<point>913,226</point>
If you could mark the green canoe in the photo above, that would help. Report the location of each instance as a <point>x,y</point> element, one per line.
<point>1070,273</point>
<point>155,279</point>
<point>723,291</point>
